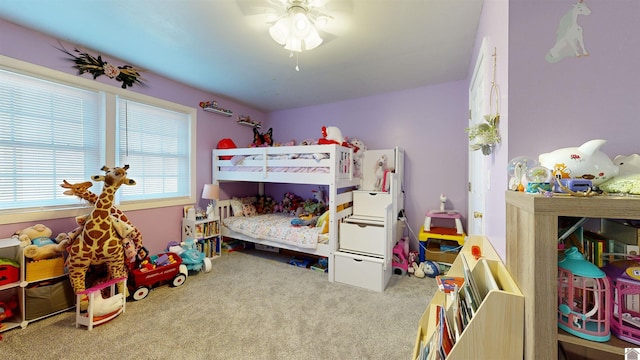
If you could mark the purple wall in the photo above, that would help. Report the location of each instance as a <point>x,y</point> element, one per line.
<point>546,106</point>
<point>30,46</point>
<point>428,123</point>
<point>555,105</point>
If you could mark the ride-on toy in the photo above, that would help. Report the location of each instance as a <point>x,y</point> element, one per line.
<point>159,269</point>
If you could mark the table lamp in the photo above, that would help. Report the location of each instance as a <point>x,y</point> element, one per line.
<point>211,192</point>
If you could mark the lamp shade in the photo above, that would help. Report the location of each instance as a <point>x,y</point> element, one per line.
<point>211,192</point>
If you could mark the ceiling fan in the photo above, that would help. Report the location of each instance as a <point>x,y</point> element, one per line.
<point>327,16</point>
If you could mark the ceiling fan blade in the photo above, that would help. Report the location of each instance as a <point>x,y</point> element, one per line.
<point>258,7</point>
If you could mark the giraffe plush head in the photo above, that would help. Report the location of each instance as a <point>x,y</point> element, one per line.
<point>77,188</point>
<point>114,176</point>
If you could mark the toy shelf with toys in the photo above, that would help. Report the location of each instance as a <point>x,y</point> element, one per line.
<point>10,314</point>
<point>532,258</point>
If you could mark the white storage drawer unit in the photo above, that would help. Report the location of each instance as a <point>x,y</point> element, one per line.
<point>361,237</point>
<point>370,203</point>
<point>362,271</point>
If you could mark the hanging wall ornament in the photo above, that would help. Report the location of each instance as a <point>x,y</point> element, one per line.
<point>86,63</point>
<point>486,135</point>
<point>569,39</point>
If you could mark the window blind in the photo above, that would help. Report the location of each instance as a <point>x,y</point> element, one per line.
<point>48,132</point>
<point>156,144</point>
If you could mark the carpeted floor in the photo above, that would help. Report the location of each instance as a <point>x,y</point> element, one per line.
<point>252,305</point>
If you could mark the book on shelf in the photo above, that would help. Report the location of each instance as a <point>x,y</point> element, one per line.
<point>446,338</point>
<point>471,285</point>
<point>449,283</point>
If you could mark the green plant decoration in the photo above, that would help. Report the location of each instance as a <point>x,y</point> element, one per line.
<point>485,134</point>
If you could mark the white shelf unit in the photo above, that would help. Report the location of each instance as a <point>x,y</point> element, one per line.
<point>496,330</point>
<point>56,284</point>
<point>206,232</point>
<point>10,249</point>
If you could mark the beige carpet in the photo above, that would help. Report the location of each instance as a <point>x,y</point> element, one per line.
<point>252,305</point>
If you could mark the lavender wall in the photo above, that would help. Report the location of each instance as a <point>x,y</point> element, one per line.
<point>577,99</point>
<point>161,225</point>
<point>551,106</point>
<point>427,122</point>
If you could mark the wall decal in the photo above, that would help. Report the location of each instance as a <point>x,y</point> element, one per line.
<point>84,62</point>
<point>569,40</point>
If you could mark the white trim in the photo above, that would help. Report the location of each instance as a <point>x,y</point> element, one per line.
<point>111,92</point>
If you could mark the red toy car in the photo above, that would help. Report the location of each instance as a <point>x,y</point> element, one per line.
<point>161,268</point>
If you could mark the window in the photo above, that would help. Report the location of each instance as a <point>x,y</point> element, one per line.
<point>55,126</point>
<point>155,143</point>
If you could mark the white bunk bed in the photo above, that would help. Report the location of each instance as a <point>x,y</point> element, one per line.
<point>329,165</point>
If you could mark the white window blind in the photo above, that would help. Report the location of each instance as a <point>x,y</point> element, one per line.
<point>48,132</point>
<point>156,144</point>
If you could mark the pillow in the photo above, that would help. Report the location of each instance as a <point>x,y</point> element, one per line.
<point>626,184</point>
<point>323,221</point>
<point>249,210</point>
<point>236,207</point>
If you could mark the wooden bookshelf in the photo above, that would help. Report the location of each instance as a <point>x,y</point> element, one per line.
<point>532,242</point>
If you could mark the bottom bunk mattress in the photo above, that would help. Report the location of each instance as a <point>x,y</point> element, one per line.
<point>277,227</point>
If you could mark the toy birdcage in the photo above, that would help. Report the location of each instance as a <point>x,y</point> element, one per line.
<point>624,276</point>
<point>583,298</point>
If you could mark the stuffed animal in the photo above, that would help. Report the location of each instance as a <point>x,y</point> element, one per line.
<point>260,140</point>
<point>628,165</point>
<point>331,135</point>
<point>583,162</point>
<point>38,244</point>
<point>381,167</point>
<point>34,232</point>
<point>358,153</point>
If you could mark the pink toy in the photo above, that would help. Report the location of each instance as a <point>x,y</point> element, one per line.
<point>625,310</point>
<point>400,259</point>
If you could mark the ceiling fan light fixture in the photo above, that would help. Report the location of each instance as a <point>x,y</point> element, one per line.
<point>280,31</point>
<point>296,27</point>
<point>312,41</point>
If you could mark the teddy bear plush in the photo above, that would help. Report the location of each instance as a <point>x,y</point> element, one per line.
<point>37,242</point>
<point>628,164</point>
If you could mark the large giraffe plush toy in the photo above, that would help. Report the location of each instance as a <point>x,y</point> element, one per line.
<point>99,242</point>
<point>126,229</point>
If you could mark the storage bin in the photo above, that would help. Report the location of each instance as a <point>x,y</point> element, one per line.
<point>370,203</point>
<point>362,271</point>
<point>46,298</point>
<point>439,250</point>
<point>9,272</point>
<point>360,237</point>
<point>44,269</point>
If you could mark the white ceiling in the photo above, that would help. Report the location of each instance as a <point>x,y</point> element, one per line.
<point>223,46</point>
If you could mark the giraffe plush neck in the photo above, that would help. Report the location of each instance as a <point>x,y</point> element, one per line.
<point>82,191</point>
<point>99,242</point>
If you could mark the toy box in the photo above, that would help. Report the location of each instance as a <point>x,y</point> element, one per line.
<point>44,269</point>
<point>46,298</point>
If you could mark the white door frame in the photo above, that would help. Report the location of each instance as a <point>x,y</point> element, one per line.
<point>479,88</point>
